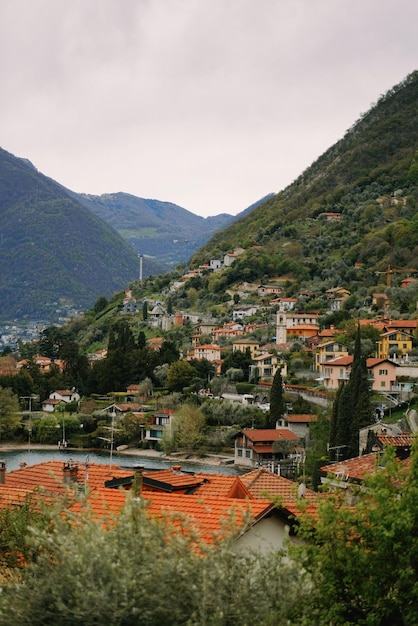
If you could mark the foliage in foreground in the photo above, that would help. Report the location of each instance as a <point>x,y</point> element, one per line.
<point>144,572</point>
<point>364,558</point>
<point>356,565</point>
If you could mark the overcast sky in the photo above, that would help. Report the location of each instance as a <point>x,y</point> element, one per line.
<point>210,104</point>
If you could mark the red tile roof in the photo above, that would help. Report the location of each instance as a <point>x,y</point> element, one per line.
<point>293,418</point>
<point>263,483</point>
<point>262,435</point>
<point>354,469</point>
<point>202,514</point>
<point>399,441</point>
<point>49,476</point>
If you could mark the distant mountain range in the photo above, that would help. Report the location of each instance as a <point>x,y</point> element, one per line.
<point>161,230</point>
<point>61,250</point>
<point>351,219</point>
<point>53,251</point>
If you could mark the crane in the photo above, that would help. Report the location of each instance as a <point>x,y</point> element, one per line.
<point>390,270</point>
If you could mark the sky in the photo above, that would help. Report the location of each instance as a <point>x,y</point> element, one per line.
<point>209,104</point>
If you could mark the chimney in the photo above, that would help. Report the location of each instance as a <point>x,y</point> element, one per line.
<point>70,472</point>
<point>177,469</point>
<point>137,484</point>
<point>2,472</point>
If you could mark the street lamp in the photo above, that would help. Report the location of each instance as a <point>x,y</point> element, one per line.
<point>64,442</point>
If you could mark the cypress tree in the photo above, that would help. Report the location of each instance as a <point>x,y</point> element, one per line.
<point>277,404</point>
<point>352,408</point>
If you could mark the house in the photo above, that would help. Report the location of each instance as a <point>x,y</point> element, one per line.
<point>49,405</point>
<point>382,373</point>
<point>286,304</point>
<point>336,297</point>
<point>253,523</point>
<point>394,341</point>
<point>215,265</point>
<point>212,505</point>
<point>255,446</point>
<point>298,423</point>
<point>368,434</point>
<point>269,290</point>
<point>229,330</point>
<point>330,216</point>
<point>350,474</point>
<point>262,483</point>
<point>242,345</point>
<point>266,366</point>
<point>211,352</point>
<point>244,311</point>
<point>229,259</point>
<point>303,331</point>
<point>328,350</point>
<point>380,300</point>
<point>407,282</point>
<point>294,318</point>
<point>65,395</point>
<point>155,428</point>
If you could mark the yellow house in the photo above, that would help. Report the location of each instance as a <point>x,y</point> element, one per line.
<point>243,344</point>
<point>394,342</point>
<point>328,350</point>
<point>266,365</point>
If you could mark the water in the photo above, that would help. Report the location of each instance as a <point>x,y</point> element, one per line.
<point>31,457</point>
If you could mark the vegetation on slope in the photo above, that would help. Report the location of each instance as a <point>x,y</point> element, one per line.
<point>369,178</point>
<point>52,247</point>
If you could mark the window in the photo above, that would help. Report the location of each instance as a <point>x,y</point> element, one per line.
<point>248,454</point>
<point>239,452</point>
<point>383,372</point>
<point>383,383</point>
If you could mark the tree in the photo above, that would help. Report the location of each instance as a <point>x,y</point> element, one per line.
<point>277,403</point>
<point>352,408</point>
<point>9,412</point>
<point>145,311</point>
<point>363,560</point>
<point>179,375</point>
<point>188,424</point>
<point>138,571</point>
<point>100,304</point>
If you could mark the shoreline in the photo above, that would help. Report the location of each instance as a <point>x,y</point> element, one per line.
<point>211,459</point>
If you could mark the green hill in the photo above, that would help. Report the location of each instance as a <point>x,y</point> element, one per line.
<point>52,248</point>
<point>367,182</point>
<point>157,229</point>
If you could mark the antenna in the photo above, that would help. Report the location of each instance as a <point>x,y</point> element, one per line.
<point>140,257</point>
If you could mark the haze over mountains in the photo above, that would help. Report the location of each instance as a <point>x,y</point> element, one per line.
<point>61,250</point>
<point>60,246</point>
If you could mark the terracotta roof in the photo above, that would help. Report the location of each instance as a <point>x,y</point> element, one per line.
<point>399,441</point>
<point>203,514</point>
<point>170,480</point>
<point>224,485</point>
<point>293,418</point>
<point>261,435</point>
<point>354,469</point>
<point>10,496</point>
<point>340,360</point>
<point>263,483</point>
<point>50,475</point>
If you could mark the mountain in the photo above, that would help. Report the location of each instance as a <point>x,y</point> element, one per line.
<point>53,251</point>
<point>162,230</point>
<point>350,219</point>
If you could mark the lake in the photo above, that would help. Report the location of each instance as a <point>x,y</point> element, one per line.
<point>31,457</point>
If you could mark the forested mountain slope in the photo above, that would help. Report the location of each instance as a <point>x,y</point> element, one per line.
<point>162,230</point>
<point>52,248</point>
<point>368,182</point>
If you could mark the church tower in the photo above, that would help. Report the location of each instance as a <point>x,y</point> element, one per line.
<point>281,328</point>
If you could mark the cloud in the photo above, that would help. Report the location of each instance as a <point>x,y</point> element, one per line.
<point>210,104</point>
